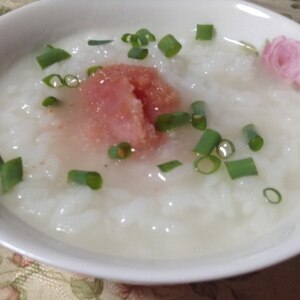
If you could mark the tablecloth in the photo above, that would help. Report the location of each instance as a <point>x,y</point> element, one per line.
<point>22,278</point>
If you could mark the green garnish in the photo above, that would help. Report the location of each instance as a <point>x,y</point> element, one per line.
<point>145,36</point>
<point>50,101</point>
<point>126,37</point>
<point>71,81</point>
<point>135,41</point>
<point>51,56</point>
<point>89,178</point>
<point>138,53</point>
<point>198,119</point>
<point>120,151</point>
<point>170,165</point>
<point>254,140</point>
<point>241,168</point>
<point>208,141</point>
<point>249,47</point>
<point>169,45</point>
<point>272,195</point>
<point>56,81</point>
<point>1,161</point>
<point>204,32</point>
<point>141,38</point>
<point>98,42</point>
<point>207,164</point>
<point>11,173</point>
<point>53,80</point>
<point>166,122</point>
<point>92,70</point>
<point>225,149</point>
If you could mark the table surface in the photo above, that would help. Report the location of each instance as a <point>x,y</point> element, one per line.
<point>22,278</point>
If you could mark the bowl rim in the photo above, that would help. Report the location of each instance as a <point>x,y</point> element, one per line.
<point>56,254</point>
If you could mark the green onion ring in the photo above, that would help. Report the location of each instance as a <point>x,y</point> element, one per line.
<point>254,140</point>
<point>211,159</point>
<point>71,81</point>
<point>120,151</point>
<point>53,81</point>
<point>269,193</point>
<point>89,178</point>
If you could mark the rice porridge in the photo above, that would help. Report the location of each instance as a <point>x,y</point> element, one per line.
<point>141,211</point>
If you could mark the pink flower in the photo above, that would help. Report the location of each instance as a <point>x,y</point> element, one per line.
<point>9,293</point>
<point>282,56</point>
<point>21,260</point>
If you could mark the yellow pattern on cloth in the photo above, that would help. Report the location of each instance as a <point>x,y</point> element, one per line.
<point>25,279</point>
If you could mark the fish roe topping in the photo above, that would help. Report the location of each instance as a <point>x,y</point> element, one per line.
<point>122,102</point>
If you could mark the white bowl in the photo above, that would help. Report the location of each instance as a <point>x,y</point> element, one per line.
<point>44,22</point>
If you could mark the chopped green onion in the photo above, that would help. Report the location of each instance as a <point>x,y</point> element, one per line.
<point>225,148</point>
<point>138,40</point>
<point>166,122</point>
<point>54,80</point>
<point>249,47</point>
<point>254,140</point>
<point>137,53</point>
<point>71,81</point>
<point>169,45</point>
<point>135,41</point>
<point>50,101</point>
<point>198,115</point>
<point>89,178</point>
<point>11,173</point>
<point>241,168</point>
<point>120,151</point>
<point>207,164</point>
<point>141,38</point>
<point>145,36</point>
<point>204,32</point>
<point>126,37</point>
<point>51,56</point>
<point>98,42</point>
<point>272,195</point>
<point>208,141</point>
<point>170,165</point>
<point>92,70</point>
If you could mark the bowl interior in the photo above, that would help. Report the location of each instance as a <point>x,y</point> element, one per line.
<point>46,21</point>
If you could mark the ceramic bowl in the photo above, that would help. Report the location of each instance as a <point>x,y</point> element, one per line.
<point>45,21</point>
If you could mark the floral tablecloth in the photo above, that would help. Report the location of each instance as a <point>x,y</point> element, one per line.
<point>22,278</point>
